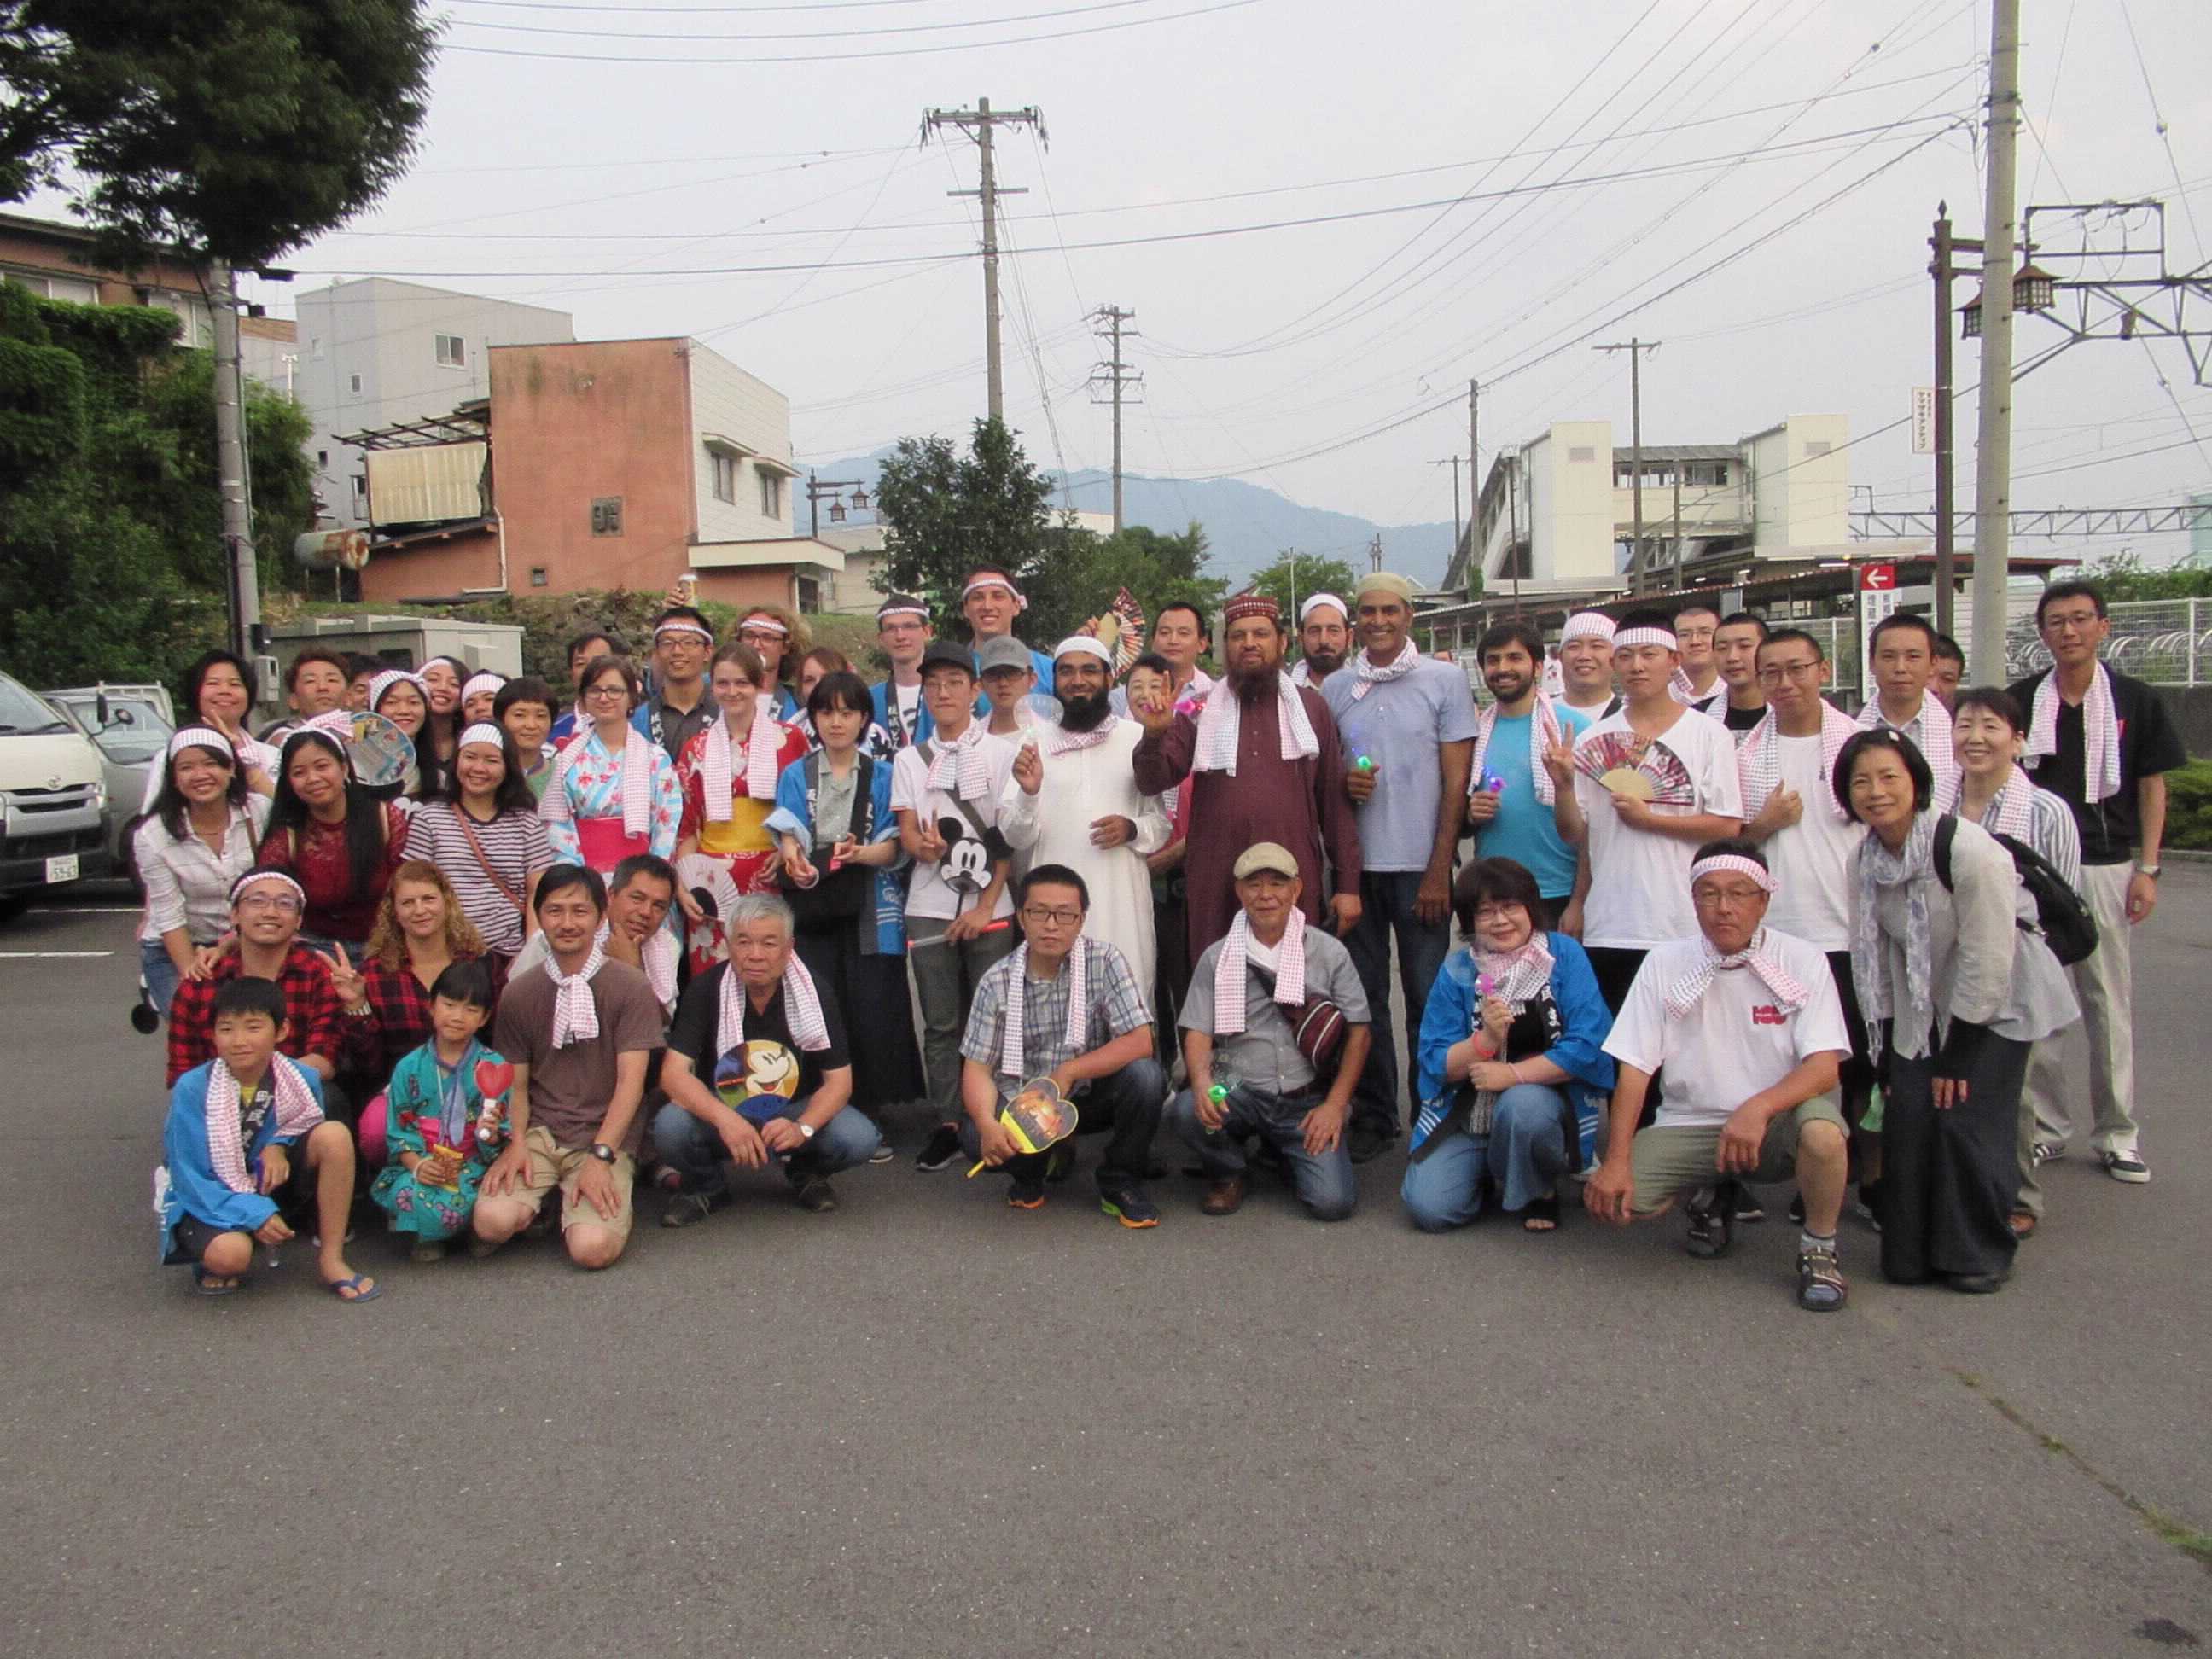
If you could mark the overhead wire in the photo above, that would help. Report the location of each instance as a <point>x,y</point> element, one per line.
<point>813,34</point>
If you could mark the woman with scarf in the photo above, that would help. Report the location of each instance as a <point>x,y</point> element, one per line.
<point>1988,730</point>
<point>341,845</point>
<point>613,792</point>
<point>727,772</point>
<point>1511,1049</point>
<point>1955,987</point>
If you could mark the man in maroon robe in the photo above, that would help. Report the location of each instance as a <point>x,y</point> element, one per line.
<point>1267,766</point>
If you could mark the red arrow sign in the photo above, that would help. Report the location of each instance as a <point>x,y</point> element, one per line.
<point>1877,577</point>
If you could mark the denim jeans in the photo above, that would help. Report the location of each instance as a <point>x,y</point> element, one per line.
<point>1386,911</point>
<point>159,974</point>
<point>1124,1105</point>
<point>1324,1184</point>
<point>691,1147</point>
<point>1524,1152</point>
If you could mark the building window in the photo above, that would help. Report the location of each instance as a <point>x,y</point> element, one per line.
<point>1816,447</point>
<point>353,384</point>
<point>322,459</point>
<point>1582,452</point>
<point>726,478</point>
<point>537,575</point>
<point>810,593</point>
<point>361,492</point>
<point>451,352</point>
<point>771,495</point>
<point>606,515</point>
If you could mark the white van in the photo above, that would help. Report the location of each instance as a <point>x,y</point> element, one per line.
<point>53,799</point>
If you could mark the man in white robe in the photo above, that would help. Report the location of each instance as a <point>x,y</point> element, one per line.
<point>1073,800</point>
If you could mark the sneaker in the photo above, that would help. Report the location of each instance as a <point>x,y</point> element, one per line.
<point>1797,1210</point>
<point>1366,1142</point>
<point>688,1209</point>
<point>1867,1207</point>
<point>1713,1222</point>
<point>1129,1206</point>
<point>1821,1287</point>
<point>1748,1207</point>
<point>885,1153</point>
<point>2050,1151</point>
<point>814,1194</point>
<point>1026,1194</point>
<point>2125,1163</point>
<point>940,1150</point>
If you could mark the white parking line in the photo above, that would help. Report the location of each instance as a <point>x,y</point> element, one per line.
<point>86,909</point>
<point>27,955</point>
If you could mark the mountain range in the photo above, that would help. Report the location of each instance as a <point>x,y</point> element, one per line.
<point>1246,526</point>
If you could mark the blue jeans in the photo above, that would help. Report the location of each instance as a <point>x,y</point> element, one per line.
<point>1324,1184</point>
<point>1123,1105</point>
<point>1524,1152</point>
<point>1386,911</point>
<point>691,1147</point>
<point>159,974</point>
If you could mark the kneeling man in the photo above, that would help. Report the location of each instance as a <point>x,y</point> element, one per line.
<point>1236,1033</point>
<point>757,1070</point>
<point>1065,1007</point>
<point>1747,1022</point>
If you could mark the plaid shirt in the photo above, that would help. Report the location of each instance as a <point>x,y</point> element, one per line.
<point>1117,1007</point>
<point>398,1020</point>
<point>311,1008</point>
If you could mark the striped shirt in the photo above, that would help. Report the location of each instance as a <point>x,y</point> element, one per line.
<point>515,848</point>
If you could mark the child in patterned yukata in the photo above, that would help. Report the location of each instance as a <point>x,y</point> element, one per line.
<point>441,1095</point>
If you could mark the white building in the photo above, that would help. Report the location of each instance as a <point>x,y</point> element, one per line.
<point>374,352</point>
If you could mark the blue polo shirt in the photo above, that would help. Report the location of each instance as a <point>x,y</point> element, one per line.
<point>1398,725</point>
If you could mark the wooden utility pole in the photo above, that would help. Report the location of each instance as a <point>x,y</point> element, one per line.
<point>1454,465</point>
<point>232,483</point>
<point>1942,244</point>
<point>1635,349</point>
<point>1993,457</point>
<point>1117,375</point>
<point>979,123</point>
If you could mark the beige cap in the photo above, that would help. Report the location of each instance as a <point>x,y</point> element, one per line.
<point>1385,581</point>
<point>1265,855</point>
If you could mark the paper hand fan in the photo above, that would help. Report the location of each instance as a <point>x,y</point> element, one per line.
<point>1037,1117</point>
<point>381,754</point>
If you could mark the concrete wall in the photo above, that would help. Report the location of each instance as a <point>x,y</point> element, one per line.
<point>572,424</point>
<point>441,569</point>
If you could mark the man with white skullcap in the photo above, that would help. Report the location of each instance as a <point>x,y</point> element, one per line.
<point>1073,800</point>
<point>1747,1027</point>
<point>1324,638</point>
<point>1585,659</point>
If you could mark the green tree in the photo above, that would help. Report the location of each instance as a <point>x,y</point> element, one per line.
<point>1087,570</point>
<point>2123,576</point>
<point>943,514</point>
<point>1296,577</point>
<point>110,561</point>
<point>237,131</point>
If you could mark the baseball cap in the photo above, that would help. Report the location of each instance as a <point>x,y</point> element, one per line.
<point>1004,651</point>
<point>1265,855</point>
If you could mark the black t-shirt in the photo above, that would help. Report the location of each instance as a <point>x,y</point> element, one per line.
<point>1742,719</point>
<point>2148,746</point>
<point>769,1064</point>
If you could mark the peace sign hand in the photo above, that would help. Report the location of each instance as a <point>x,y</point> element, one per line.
<point>345,978</point>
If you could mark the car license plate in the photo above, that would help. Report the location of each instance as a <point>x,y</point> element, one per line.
<point>63,868</point>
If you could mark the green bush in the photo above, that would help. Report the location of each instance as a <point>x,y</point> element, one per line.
<point>2188,807</point>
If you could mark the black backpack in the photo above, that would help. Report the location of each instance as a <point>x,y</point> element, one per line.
<point>2061,914</point>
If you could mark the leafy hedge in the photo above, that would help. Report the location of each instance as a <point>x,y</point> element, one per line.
<point>2188,807</point>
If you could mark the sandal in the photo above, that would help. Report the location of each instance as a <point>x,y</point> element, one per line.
<point>207,1284</point>
<point>1713,1222</point>
<point>2023,1224</point>
<point>1821,1287</point>
<point>1541,1215</point>
<point>338,1287</point>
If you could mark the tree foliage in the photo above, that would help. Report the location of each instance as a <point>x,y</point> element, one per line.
<point>1087,570</point>
<point>2123,576</point>
<point>111,552</point>
<point>239,130</point>
<point>1296,577</point>
<point>945,513</point>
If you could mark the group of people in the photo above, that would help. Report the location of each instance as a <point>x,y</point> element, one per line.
<point>1712,932</point>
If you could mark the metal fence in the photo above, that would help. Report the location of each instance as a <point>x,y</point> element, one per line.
<point>2165,641</point>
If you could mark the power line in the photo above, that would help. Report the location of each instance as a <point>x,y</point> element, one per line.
<point>811,34</point>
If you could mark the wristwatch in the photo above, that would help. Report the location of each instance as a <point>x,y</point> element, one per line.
<point>2150,870</point>
<point>602,1151</point>
<point>805,1130</point>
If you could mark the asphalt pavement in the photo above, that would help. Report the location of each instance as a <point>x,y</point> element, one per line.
<point>928,1423</point>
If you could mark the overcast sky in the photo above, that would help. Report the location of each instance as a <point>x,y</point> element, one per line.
<point>1491,191</point>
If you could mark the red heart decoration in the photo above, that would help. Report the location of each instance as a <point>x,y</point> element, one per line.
<point>494,1078</point>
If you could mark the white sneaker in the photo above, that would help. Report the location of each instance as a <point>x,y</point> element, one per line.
<point>2049,1151</point>
<point>2125,1163</point>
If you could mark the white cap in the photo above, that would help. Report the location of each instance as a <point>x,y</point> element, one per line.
<point>1315,601</point>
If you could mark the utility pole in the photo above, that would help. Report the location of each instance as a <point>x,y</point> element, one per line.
<point>230,465</point>
<point>1942,244</point>
<point>1993,460</point>
<point>978,123</point>
<point>1635,349</point>
<point>1454,465</point>
<point>1117,375</point>
<point>1374,555</point>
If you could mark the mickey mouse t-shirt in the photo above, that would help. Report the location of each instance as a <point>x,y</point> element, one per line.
<point>944,888</point>
<point>766,1075</point>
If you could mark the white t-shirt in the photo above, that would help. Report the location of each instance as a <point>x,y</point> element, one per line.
<point>1811,860</point>
<point>1640,892</point>
<point>927,893</point>
<point>1737,1041</point>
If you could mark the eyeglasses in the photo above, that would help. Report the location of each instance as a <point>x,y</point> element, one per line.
<point>1778,672</point>
<point>2058,622</point>
<point>591,691</point>
<point>1055,918</point>
<point>759,636</point>
<point>282,904</point>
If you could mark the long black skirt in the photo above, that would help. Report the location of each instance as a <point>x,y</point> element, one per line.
<point>1948,1177</point>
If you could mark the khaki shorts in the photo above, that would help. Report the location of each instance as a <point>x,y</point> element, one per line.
<point>1673,1160</point>
<point>552,1164</point>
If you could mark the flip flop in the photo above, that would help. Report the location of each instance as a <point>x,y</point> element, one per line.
<point>1545,1208</point>
<point>203,1284</point>
<point>338,1287</point>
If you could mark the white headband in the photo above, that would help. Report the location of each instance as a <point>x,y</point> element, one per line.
<point>1588,624</point>
<point>1736,863</point>
<point>251,876</point>
<point>483,731</point>
<point>987,580</point>
<point>1320,599</point>
<point>485,681</point>
<point>921,610</point>
<point>391,677</point>
<point>759,625</point>
<point>1630,636</point>
<point>685,625</point>
<point>201,737</point>
<point>1083,644</point>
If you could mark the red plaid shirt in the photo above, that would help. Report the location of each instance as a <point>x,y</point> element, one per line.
<point>398,1022</point>
<point>311,1008</point>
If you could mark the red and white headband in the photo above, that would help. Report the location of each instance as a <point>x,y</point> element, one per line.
<point>679,625</point>
<point>201,737</point>
<point>760,625</point>
<point>1588,625</point>
<point>977,584</point>
<point>250,877</point>
<point>1735,864</point>
<point>1632,636</point>
<point>901,610</point>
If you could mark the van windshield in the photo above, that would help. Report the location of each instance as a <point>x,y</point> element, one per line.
<point>23,714</point>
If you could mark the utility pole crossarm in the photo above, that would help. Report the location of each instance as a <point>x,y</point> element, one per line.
<point>1118,378</point>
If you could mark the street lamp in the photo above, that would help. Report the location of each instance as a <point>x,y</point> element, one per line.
<point>831,490</point>
<point>2033,290</point>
